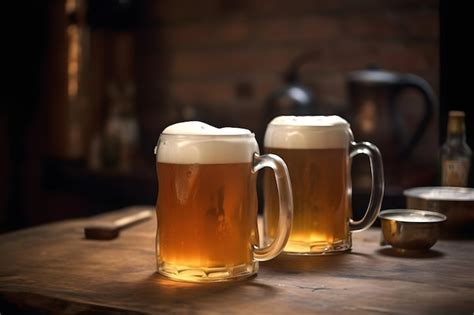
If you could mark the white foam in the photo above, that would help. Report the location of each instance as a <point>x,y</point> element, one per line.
<point>199,128</point>
<point>195,142</point>
<point>308,132</point>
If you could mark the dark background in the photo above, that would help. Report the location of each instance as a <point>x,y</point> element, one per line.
<point>214,60</point>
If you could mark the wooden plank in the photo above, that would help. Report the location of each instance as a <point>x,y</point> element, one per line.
<point>53,268</point>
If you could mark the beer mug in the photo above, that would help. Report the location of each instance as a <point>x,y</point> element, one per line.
<point>318,152</point>
<point>207,203</point>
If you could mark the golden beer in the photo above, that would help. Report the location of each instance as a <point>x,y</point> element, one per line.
<point>320,200</point>
<point>206,215</point>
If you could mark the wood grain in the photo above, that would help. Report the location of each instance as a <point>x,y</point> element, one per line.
<point>53,269</point>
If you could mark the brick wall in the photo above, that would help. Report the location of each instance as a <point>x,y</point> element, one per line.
<point>200,52</point>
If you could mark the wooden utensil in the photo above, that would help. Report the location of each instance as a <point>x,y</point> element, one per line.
<point>111,230</point>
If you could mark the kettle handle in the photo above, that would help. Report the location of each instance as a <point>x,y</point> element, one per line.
<point>416,82</point>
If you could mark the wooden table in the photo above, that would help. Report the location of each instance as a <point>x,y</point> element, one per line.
<point>52,268</point>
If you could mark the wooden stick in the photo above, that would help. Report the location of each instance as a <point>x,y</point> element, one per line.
<point>111,230</point>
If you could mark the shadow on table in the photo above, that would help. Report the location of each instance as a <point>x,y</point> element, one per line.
<point>321,263</point>
<point>182,294</point>
<point>431,253</point>
<point>34,303</point>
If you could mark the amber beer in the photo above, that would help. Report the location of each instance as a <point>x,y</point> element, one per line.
<point>317,151</point>
<point>207,203</point>
<point>206,214</point>
<point>321,203</point>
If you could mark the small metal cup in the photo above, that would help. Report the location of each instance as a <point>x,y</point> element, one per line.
<point>407,229</point>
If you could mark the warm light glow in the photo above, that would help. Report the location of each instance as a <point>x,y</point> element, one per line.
<point>73,60</point>
<point>367,117</point>
<point>71,6</point>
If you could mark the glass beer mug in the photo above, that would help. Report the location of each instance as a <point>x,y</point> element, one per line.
<point>207,203</point>
<point>318,152</point>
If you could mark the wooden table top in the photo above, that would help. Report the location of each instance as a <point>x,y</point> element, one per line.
<point>52,268</point>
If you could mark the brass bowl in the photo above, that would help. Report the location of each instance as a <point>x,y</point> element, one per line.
<point>408,229</point>
<point>456,203</point>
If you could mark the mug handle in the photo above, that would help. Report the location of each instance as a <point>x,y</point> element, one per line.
<point>285,198</point>
<point>377,189</point>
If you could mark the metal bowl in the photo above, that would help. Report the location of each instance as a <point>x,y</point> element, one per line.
<point>456,203</point>
<point>409,229</point>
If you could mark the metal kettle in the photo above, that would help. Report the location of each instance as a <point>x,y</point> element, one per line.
<point>373,96</point>
<point>293,98</point>
<point>375,115</point>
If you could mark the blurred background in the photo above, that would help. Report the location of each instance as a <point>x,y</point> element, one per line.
<point>91,85</point>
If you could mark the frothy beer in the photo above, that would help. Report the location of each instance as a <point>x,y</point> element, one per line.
<point>315,149</point>
<point>207,204</point>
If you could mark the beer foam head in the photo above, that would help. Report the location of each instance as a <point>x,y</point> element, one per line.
<point>308,132</point>
<point>194,142</point>
<point>198,128</point>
